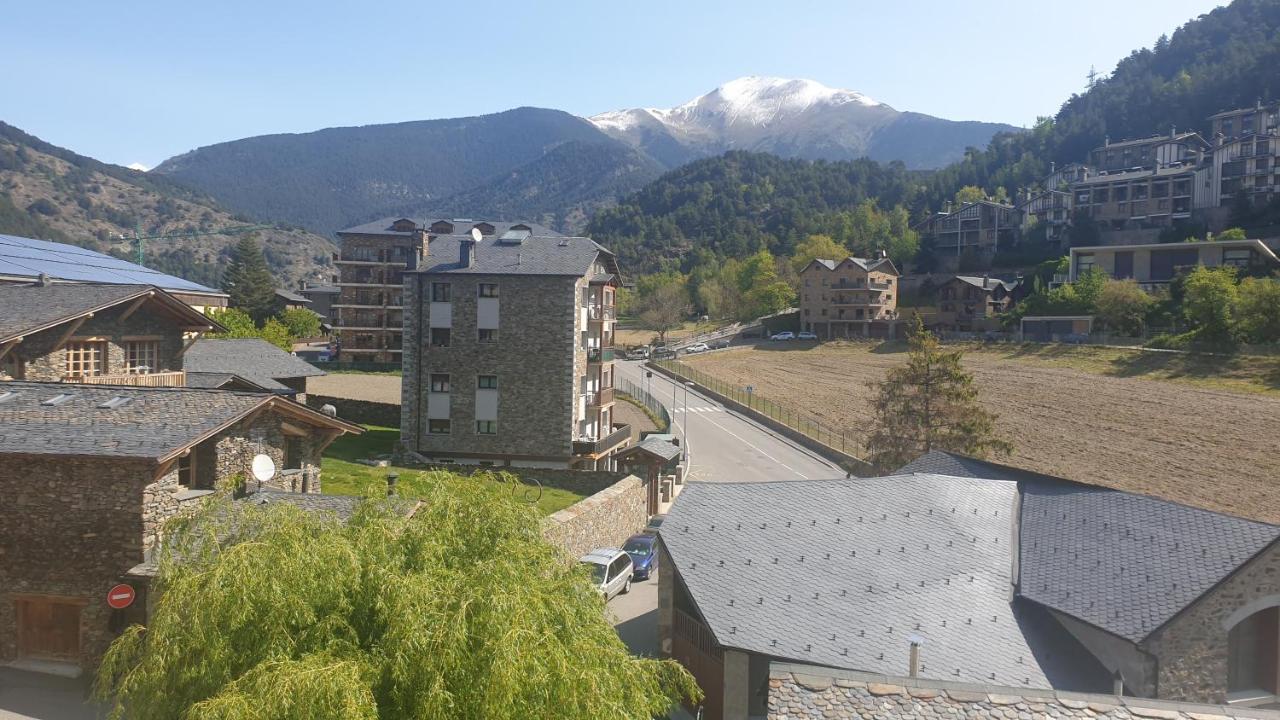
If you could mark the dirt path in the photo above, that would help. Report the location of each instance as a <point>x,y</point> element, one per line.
<point>1200,446</point>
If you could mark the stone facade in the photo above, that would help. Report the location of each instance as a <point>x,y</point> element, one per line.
<point>43,363</point>
<point>533,360</point>
<point>799,693</point>
<point>845,301</point>
<point>75,526</point>
<point>1191,650</point>
<point>365,412</point>
<point>605,519</point>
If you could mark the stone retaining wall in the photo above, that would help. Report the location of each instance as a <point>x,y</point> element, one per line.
<point>794,694</point>
<point>365,412</point>
<point>605,519</point>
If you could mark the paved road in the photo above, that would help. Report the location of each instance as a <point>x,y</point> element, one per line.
<point>725,446</point>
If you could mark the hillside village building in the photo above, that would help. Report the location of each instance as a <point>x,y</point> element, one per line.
<point>1154,266</point>
<point>967,303</point>
<point>509,351</point>
<point>978,228</point>
<point>853,297</point>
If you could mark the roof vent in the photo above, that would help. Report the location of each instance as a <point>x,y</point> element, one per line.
<point>115,402</point>
<point>564,242</point>
<point>57,399</point>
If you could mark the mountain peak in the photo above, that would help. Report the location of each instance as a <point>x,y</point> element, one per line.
<point>781,94</point>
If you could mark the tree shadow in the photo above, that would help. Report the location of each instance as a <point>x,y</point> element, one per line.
<point>1178,365</point>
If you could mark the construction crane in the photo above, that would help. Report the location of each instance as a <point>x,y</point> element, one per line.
<point>139,240</point>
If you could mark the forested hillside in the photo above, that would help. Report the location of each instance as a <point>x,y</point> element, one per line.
<point>1225,59</point>
<point>52,193</point>
<point>739,203</point>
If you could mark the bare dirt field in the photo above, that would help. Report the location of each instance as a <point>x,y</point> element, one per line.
<point>1200,432</point>
<point>384,388</point>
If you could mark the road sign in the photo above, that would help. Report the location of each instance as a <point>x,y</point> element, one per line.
<point>121,596</point>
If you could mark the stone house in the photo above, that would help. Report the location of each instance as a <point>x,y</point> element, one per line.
<point>249,364</point>
<point>970,304</point>
<point>113,334</point>
<point>91,472</point>
<point>853,297</point>
<point>508,352</point>
<point>961,571</point>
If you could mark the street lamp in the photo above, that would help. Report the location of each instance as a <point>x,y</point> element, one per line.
<point>687,385</point>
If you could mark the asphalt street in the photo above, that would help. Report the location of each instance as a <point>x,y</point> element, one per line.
<point>724,446</point>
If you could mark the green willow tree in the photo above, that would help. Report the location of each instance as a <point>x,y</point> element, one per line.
<point>460,610</point>
<point>248,280</point>
<point>928,404</point>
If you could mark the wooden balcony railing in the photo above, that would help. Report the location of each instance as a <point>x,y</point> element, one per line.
<point>620,434</point>
<point>175,378</point>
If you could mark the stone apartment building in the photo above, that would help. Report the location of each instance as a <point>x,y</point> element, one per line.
<point>91,472</point>
<point>975,228</point>
<point>509,352</point>
<point>367,314</point>
<point>853,297</point>
<point>113,334</point>
<point>1246,155</point>
<point>955,570</point>
<point>974,304</point>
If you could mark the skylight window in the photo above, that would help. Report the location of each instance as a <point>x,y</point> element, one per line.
<point>114,403</point>
<point>7,395</point>
<point>58,399</point>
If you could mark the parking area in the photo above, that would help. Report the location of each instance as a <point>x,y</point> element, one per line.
<point>635,615</point>
<point>37,696</point>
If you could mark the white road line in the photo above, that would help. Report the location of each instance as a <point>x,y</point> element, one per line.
<point>753,447</point>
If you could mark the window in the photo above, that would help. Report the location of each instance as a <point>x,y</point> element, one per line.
<point>1084,263</point>
<point>293,453</point>
<point>487,336</point>
<point>487,427</point>
<point>141,357</point>
<point>487,382</point>
<point>1237,258</point>
<point>439,382</point>
<point>185,463</point>
<point>11,368</point>
<point>441,292</point>
<point>438,427</point>
<point>489,290</point>
<point>86,358</point>
<point>439,337</point>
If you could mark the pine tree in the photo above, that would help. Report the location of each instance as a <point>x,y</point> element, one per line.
<point>929,404</point>
<point>248,280</point>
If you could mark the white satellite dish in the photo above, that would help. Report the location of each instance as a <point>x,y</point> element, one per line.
<point>476,234</point>
<point>264,468</point>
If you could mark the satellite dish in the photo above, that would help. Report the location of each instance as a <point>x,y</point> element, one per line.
<point>476,234</point>
<point>264,468</point>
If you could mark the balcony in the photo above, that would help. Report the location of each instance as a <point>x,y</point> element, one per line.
<point>600,399</point>
<point>176,378</point>
<point>880,286</point>
<point>600,355</point>
<point>601,313</point>
<point>620,435</point>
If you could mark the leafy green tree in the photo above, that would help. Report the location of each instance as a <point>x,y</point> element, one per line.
<point>248,280</point>
<point>300,322</point>
<point>277,333</point>
<point>461,610</point>
<point>817,247</point>
<point>1257,313</point>
<point>930,403</point>
<point>240,325</point>
<point>1234,233</point>
<point>969,194</point>
<point>1123,306</point>
<point>1208,302</point>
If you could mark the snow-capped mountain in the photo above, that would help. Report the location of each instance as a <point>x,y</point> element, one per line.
<point>797,118</point>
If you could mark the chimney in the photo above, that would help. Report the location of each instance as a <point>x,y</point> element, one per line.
<point>1053,166</point>
<point>466,252</point>
<point>391,483</point>
<point>1173,131</point>
<point>422,245</point>
<point>1106,141</point>
<point>913,659</point>
<point>42,280</point>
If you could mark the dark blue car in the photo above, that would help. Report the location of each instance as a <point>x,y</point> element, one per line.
<point>644,555</point>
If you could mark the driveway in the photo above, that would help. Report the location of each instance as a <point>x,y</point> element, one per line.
<point>635,615</point>
<point>36,696</point>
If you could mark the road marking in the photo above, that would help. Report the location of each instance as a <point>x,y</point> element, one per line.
<point>753,447</point>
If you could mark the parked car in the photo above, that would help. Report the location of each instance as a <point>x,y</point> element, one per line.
<point>663,354</point>
<point>611,571</point>
<point>697,348</point>
<point>644,555</point>
<point>720,344</point>
<point>640,353</point>
<point>783,336</point>
<point>806,335</point>
<point>655,523</point>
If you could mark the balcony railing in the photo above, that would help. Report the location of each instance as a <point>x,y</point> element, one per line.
<point>620,434</point>
<point>599,355</point>
<point>176,378</point>
<point>600,398</point>
<point>600,313</point>
<point>879,286</point>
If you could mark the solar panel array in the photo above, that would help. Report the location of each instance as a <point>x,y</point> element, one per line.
<point>26,257</point>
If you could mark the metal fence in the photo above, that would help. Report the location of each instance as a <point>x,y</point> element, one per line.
<point>637,393</point>
<point>801,421</point>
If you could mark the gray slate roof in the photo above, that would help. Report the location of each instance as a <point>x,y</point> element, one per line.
<point>26,308</point>
<point>988,283</point>
<point>292,296</point>
<point>155,421</point>
<point>216,381</point>
<point>382,226</point>
<point>658,446</point>
<point>538,255</point>
<point>864,263</point>
<point>255,360</point>
<point>842,573</point>
<point>344,506</point>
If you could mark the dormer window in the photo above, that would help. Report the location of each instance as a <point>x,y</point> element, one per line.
<point>441,227</point>
<point>484,228</point>
<point>403,225</point>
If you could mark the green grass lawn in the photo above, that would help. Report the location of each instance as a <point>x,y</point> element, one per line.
<point>342,475</point>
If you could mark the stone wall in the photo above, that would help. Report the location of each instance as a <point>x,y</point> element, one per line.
<point>533,360</point>
<point>365,412</point>
<point>42,362</point>
<point>239,444</point>
<point>798,692</point>
<point>1191,650</point>
<point>605,519</point>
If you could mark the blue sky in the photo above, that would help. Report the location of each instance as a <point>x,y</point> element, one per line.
<point>141,81</point>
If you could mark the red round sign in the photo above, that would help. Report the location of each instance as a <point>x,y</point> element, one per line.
<point>121,596</point>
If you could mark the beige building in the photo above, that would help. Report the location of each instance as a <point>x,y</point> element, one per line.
<point>1153,266</point>
<point>845,298</point>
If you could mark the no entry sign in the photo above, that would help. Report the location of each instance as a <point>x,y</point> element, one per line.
<point>121,596</point>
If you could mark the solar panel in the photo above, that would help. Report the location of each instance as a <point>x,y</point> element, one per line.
<point>27,257</point>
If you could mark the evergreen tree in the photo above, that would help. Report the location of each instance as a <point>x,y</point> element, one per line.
<point>929,404</point>
<point>248,280</point>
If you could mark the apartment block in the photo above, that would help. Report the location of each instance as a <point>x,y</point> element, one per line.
<point>843,298</point>
<point>1246,155</point>
<point>509,351</point>
<point>976,227</point>
<point>969,304</point>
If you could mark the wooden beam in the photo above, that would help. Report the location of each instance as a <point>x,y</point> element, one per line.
<point>133,307</point>
<point>163,468</point>
<point>187,345</point>
<point>327,438</point>
<point>8,345</point>
<point>290,429</point>
<point>71,330</point>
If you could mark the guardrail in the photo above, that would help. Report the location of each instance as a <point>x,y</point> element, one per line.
<point>595,355</point>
